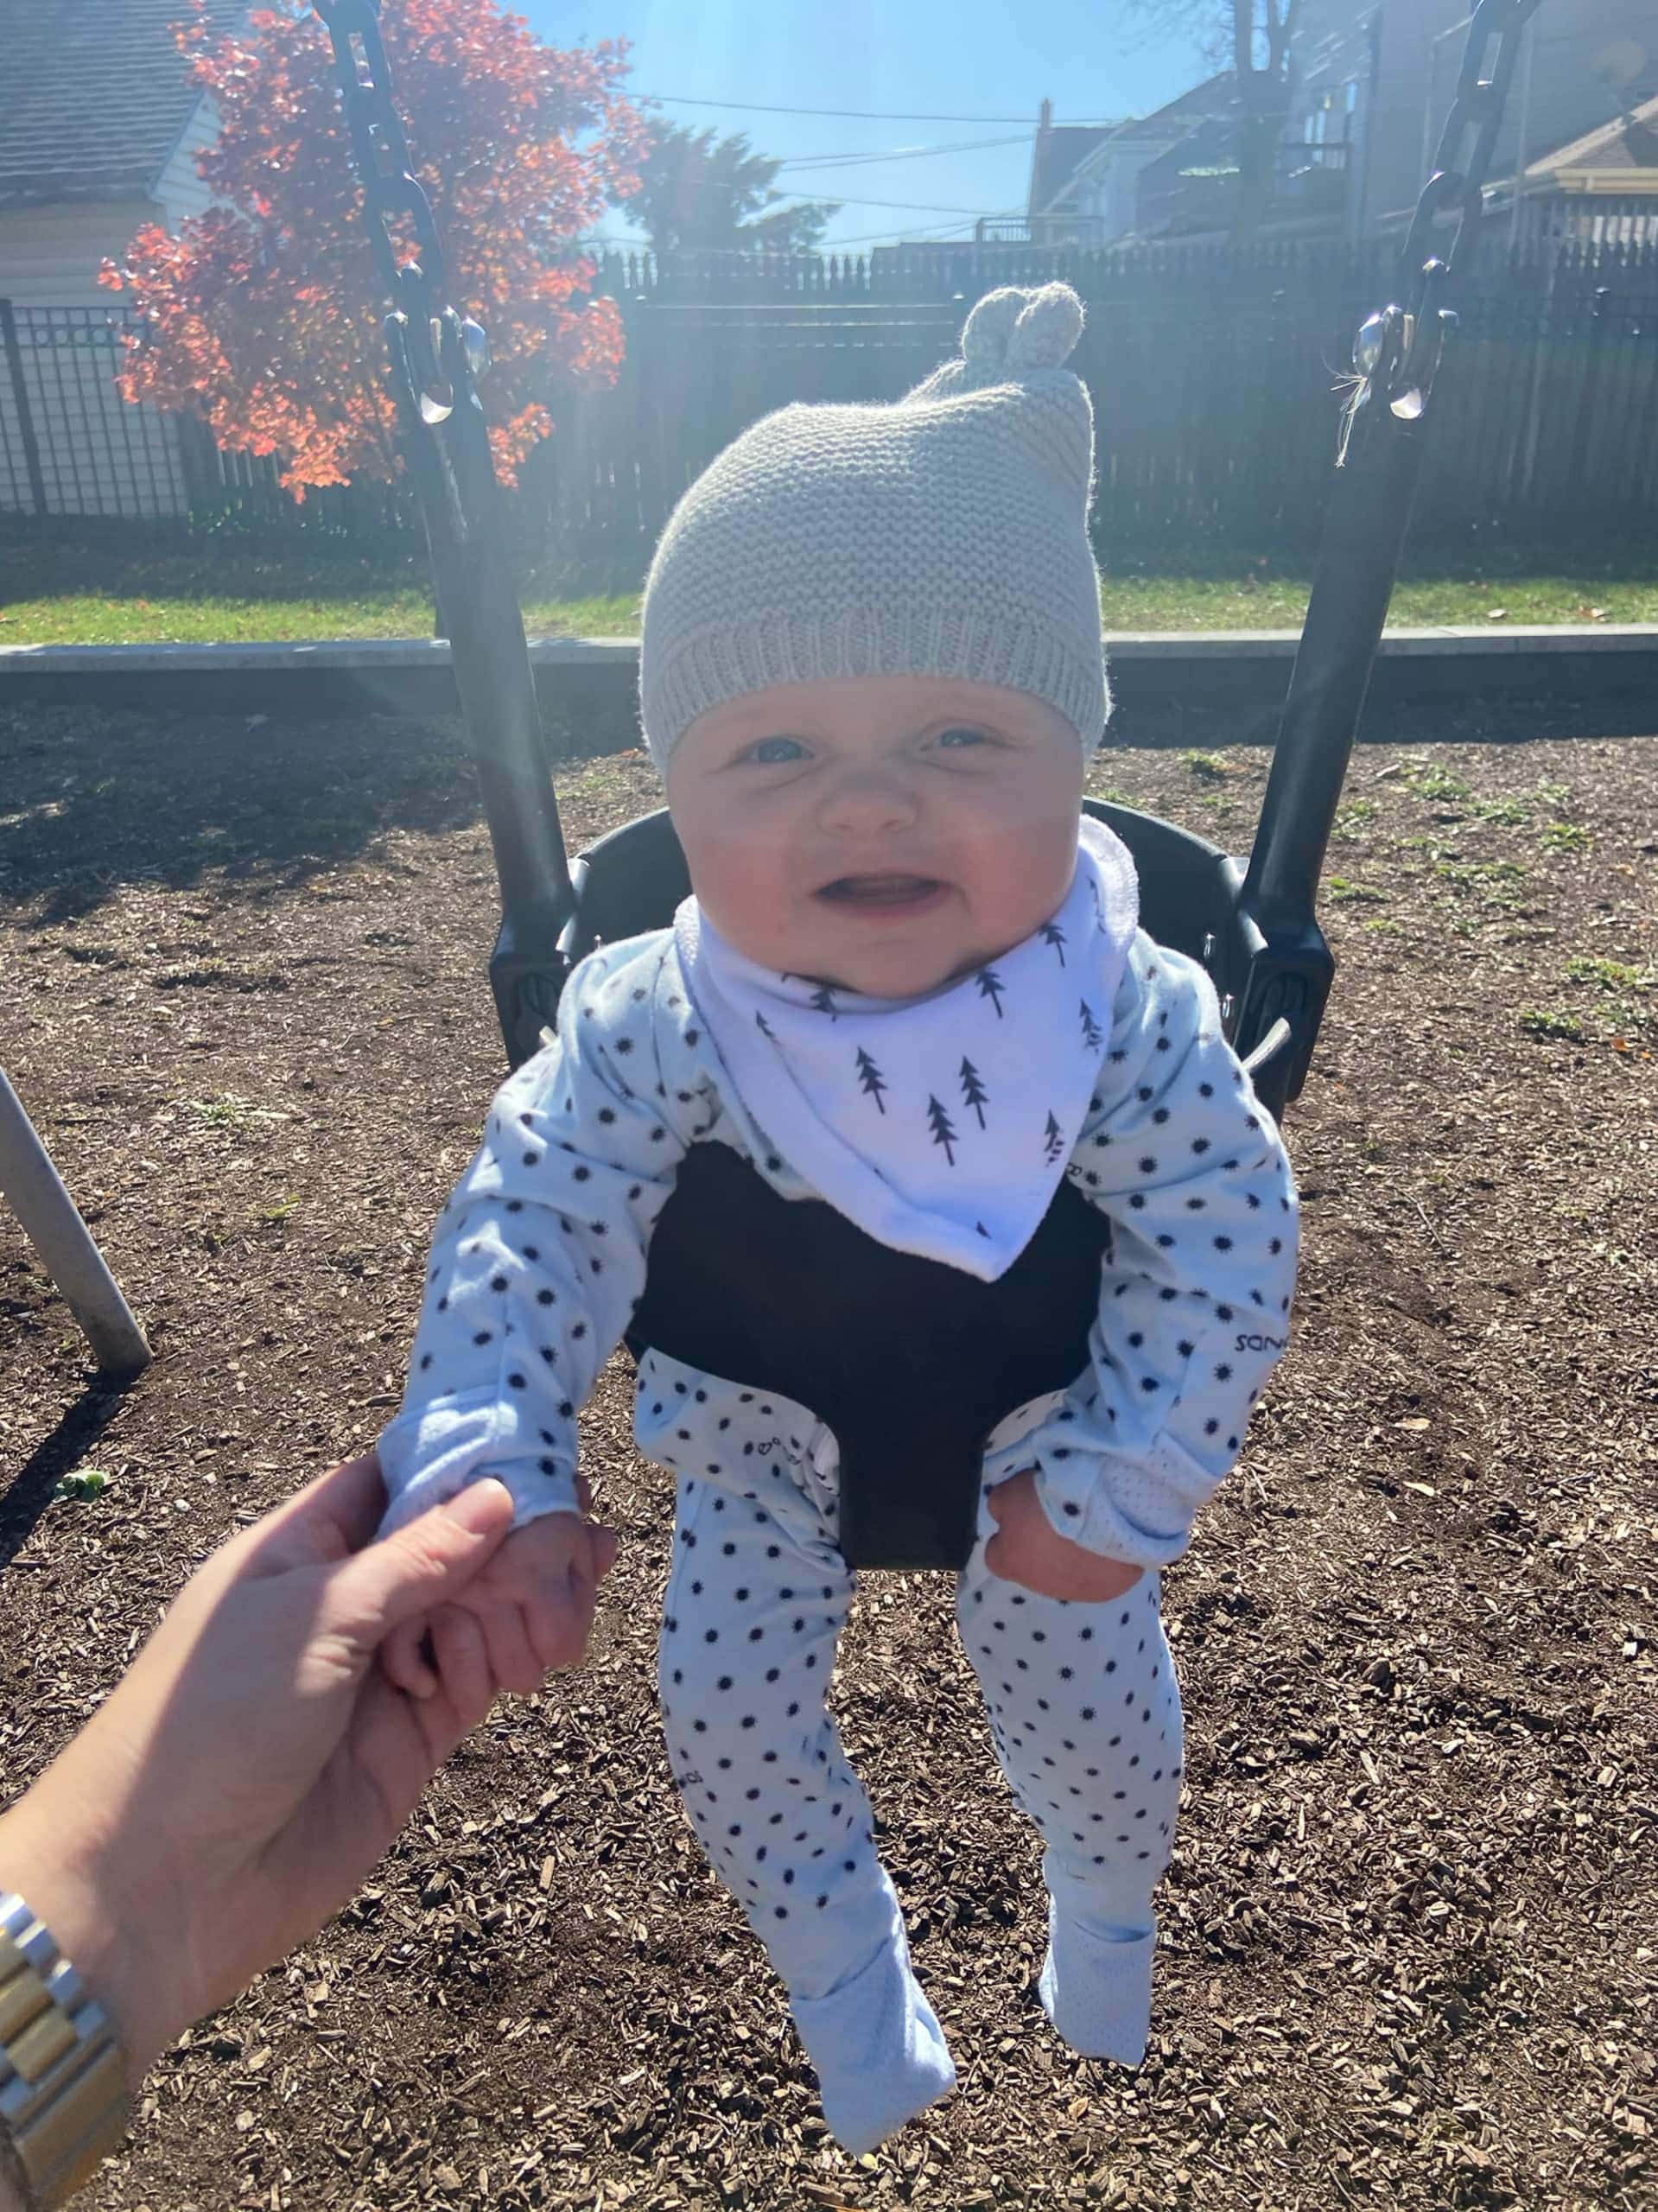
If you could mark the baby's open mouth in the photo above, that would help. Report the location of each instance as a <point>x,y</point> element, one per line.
<point>881,892</point>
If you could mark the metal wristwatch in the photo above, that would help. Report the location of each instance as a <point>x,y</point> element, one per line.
<point>63,2091</point>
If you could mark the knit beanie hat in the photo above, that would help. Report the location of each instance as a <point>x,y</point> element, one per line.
<point>944,534</point>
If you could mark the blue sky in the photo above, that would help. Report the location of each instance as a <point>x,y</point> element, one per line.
<point>1093,59</point>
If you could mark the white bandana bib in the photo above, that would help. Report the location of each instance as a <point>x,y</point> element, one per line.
<point>940,1125</point>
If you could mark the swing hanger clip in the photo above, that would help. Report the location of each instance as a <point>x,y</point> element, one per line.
<point>1397,352</point>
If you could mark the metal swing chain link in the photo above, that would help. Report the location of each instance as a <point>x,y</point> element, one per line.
<point>1397,352</point>
<point>436,357</point>
<point>380,151</point>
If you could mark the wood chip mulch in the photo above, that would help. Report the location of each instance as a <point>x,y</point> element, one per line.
<point>1409,1942</point>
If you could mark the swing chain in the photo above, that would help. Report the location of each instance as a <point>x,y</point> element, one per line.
<point>1397,352</point>
<point>1475,108</point>
<point>390,190</point>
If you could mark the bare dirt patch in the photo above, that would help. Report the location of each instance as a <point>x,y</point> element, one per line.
<point>1410,1938</point>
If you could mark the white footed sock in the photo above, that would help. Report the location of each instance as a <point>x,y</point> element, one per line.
<point>878,2048</point>
<point>1096,1985</point>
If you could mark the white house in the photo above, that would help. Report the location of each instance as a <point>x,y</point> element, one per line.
<point>98,129</point>
<point>1084,182</point>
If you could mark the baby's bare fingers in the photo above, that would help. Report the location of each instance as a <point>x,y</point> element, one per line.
<point>512,1661</point>
<point>402,1660</point>
<point>563,1622</point>
<point>463,1661</point>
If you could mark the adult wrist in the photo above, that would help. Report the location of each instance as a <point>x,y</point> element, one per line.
<point>42,1861</point>
<point>65,2104</point>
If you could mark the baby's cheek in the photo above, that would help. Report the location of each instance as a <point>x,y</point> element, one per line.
<point>742,884</point>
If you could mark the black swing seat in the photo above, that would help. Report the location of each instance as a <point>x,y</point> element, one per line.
<point>909,1363</point>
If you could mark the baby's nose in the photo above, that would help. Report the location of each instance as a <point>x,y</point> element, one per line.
<point>860,798</point>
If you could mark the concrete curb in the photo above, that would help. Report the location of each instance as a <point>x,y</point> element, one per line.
<point>588,687</point>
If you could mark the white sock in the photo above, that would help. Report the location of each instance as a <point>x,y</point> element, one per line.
<point>1096,1985</point>
<point>878,2048</point>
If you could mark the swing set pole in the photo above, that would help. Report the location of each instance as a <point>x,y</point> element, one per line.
<point>35,1190</point>
<point>1385,426</point>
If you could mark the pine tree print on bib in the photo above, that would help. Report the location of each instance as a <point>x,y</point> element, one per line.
<point>940,1125</point>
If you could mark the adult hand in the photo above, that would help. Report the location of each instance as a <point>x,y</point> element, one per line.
<point>1026,1548</point>
<point>253,1764</point>
<point>533,1604</point>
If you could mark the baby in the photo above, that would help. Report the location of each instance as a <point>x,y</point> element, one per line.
<point>909,983</point>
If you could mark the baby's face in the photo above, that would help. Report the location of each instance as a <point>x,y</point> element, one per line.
<point>882,833</point>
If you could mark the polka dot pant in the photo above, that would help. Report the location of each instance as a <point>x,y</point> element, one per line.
<point>1083,1708</point>
<point>1085,1713</point>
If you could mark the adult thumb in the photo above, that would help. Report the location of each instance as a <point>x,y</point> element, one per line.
<point>397,1577</point>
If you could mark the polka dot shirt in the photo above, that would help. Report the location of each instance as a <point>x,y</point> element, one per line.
<point>538,1258</point>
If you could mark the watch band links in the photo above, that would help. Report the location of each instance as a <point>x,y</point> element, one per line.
<point>63,2096</point>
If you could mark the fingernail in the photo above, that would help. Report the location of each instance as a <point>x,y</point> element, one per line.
<point>475,1509</point>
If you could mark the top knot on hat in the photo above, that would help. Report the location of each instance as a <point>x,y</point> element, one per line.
<point>1012,332</point>
<point>945,533</point>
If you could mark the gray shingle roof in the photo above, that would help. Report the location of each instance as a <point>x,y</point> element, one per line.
<point>1628,142</point>
<point>94,96</point>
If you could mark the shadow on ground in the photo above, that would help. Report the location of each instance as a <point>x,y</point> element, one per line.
<point>96,799</point>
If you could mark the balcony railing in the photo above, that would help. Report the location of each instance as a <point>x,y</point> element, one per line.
<point>1199,192</point>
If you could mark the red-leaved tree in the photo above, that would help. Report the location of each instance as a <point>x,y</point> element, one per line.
<point>263,316</point>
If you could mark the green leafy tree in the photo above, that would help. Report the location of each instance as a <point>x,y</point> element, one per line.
<point>695,194</point>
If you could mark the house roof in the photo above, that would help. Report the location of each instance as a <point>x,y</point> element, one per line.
<point>1063,151</point>
<point>95,96</point>
<point>1626,142</point>
<point>1058,154</point>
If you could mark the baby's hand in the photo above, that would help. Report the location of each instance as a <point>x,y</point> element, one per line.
<point>528,1610</point>
<point>1027,1549</point>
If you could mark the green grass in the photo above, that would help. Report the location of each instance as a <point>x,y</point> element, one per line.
<point>1206,766</point>
<point>1540,1021</point>
<point>64,586</point>
<point>1428,779</point>
<point>1609,975</point>
<point>228,1109</point>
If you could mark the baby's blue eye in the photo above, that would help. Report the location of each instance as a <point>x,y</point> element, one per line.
<point>771,750</point>
<point>962,737</point>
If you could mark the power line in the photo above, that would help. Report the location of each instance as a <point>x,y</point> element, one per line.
<point>940,231</point>
<point>921,206</point>
<point>859,114</point>
<point>799,253</point>
<point>844,199</point>
<point>899,154</point>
